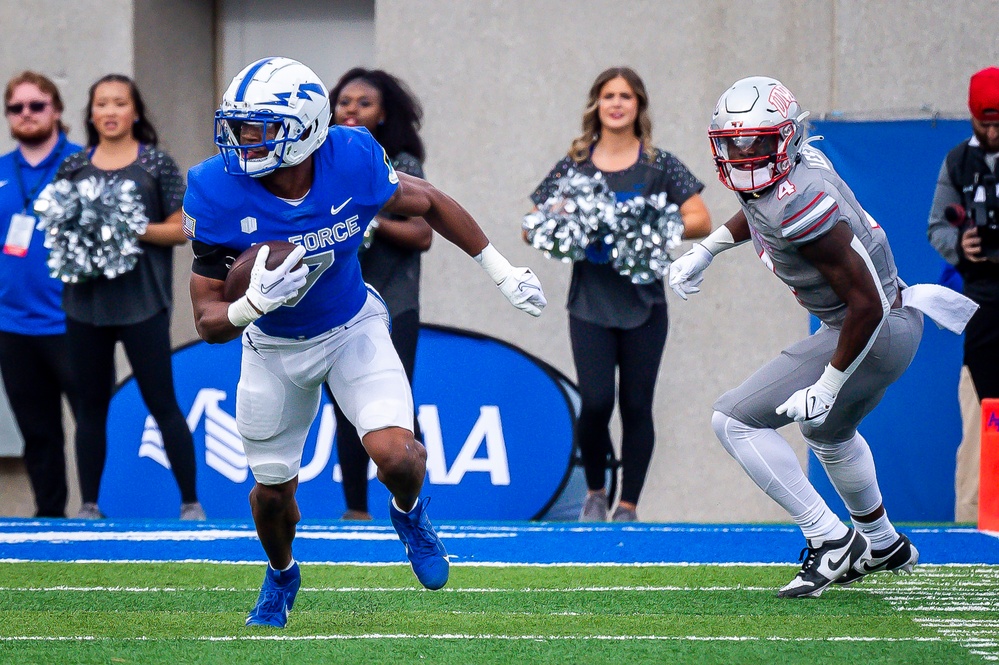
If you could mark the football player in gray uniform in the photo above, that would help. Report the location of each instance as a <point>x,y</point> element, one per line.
<point>809,229</point>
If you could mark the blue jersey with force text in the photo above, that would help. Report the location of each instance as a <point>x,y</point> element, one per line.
<point>352,180</point>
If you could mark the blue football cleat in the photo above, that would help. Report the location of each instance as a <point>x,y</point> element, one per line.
<point>277,596</point>
<point>425,550</point>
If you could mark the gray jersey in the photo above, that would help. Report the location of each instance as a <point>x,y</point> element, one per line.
<point>801,208</point>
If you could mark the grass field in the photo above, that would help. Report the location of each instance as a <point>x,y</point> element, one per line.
<point>193,613</point>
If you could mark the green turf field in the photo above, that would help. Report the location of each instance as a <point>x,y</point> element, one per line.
<point>193,613</point>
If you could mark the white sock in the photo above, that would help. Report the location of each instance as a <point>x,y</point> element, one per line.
<point>283,570</point>
<point>404,512</point>
<point>770,461</point>
<point>880,532</point>
<point>850,467</point>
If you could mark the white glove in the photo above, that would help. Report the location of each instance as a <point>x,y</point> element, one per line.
<point>811,405</point>
<point>523,289</point>
<point>687,272</point>
<point>269,289</point>
<point>520,285</point>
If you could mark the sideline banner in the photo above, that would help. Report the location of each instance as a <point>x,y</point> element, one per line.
<point>892,168</point>
<point>497,424</point>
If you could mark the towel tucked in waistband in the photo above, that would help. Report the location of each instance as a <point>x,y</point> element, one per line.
<point>948,308</point>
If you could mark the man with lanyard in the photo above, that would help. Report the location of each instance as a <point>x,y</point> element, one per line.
<point>32,324</point>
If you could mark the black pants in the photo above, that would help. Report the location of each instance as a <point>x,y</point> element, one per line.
<point>981,350</point>
<point>353,457</point>
<point>147,345</point>
<point>36,374</point>
<point>636,354</point>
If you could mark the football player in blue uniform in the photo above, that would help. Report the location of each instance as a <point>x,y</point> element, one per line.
<point>283,174</point>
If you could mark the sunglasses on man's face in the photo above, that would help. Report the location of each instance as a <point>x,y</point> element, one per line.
<point>18,108</point>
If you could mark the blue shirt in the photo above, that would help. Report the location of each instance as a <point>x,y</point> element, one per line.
<point>30,299</point>
<point>352,180</point>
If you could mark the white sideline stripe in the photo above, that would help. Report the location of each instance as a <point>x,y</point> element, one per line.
<point>203,535</point>
<point>543,527</point>
<point>465,636</point>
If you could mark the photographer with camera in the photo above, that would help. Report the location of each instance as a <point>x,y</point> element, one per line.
<point>964,229</point>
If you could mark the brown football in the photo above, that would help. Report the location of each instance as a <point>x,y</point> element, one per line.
<point>238,279</point>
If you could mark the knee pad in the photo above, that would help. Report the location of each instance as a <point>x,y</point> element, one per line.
<point>383,413</point>
<point>272,473</point>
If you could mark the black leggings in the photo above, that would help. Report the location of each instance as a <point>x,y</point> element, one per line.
<point>353,457</point>
<point>36,374</point>
<point>147,345</point>
<point>636,353</point>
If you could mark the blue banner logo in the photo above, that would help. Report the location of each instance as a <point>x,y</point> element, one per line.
<point>497,424</point>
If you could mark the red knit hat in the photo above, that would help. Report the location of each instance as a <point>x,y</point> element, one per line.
<point>983,95</point>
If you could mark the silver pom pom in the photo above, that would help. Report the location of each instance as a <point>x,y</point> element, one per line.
<point>562,226</point>
<point>643,231</point>
<point>91,227</point>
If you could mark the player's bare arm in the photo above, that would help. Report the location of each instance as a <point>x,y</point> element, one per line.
<point>418,198</point>
<point>211,318</point>
<point>738,226</point>
<point>851,279</point>
<point>411,233</point>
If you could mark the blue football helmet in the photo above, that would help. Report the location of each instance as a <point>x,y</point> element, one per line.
<point>275,113</point>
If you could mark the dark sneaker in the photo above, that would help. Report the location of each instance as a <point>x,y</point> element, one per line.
<point>824,565</point>
<point>899,559</point>
<point>277,596</point>
<point>425,550</point>
<point>356,515</point>
<point>594,508</point>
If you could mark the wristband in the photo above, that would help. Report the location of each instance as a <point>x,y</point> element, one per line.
<point>832,380</point>
<point>494,263</point>
<point>242,313</point>
<point>719,240</point>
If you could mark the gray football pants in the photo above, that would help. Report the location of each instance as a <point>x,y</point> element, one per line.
<point>800,365</point>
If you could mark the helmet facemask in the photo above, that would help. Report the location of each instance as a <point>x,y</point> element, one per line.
<point>752,159</point>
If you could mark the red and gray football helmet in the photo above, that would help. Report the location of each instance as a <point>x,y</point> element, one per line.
<point>756,131</point>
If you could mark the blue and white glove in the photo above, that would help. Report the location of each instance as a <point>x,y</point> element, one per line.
<point>812,405</point>
<point>687,272</point>
<point>269,289</point>
<point>520,285</point>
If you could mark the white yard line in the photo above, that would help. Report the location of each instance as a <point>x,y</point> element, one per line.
<point>467,636</point>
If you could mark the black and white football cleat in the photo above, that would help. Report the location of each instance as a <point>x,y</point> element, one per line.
<point>899,558</point>
<point>825,564</point>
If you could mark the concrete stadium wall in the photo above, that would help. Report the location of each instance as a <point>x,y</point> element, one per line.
<point>503,84</point>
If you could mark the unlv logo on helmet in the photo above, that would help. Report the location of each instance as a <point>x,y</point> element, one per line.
<point>781,98</point>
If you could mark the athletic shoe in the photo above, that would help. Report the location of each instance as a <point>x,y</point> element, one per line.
<point>277,596</point>
<point>90,511</point>
<point>425,550</point>
<point>594,508</point>
<point>192,512</point>
<point>622,514</point>
<point>825,564</point>
<point>898,558</point>
<point>356,516</point>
